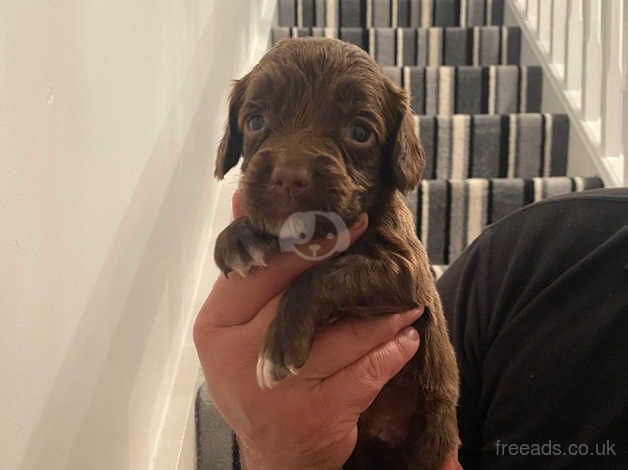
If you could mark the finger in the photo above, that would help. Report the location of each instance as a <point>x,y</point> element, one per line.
<point>236,205</point>
<point>355,387</point>
<point>346,341</point>
<point>236,300</point>
<point>216,348</point>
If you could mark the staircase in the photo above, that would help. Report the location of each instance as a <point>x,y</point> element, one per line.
<point>490,149</point>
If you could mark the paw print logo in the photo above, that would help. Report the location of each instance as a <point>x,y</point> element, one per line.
<point>297,233</point>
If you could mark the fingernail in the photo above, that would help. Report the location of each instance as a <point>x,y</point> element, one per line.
<point>416,312</point>
<point>409,334</point>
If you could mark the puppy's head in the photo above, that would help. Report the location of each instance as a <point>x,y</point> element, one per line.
<point>319,128</point>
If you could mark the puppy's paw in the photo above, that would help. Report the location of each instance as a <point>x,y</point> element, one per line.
<point>287,344</point>
<point>277,361</point>
<point>239,248</point>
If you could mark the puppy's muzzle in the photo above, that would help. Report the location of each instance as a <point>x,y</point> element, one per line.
<point>291,179</point>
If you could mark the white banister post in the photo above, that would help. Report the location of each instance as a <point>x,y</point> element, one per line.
<point>612,139</point>
<point>533,16</point>
<point>524,6</point>
<point>559,22</point>
<point>573,66</point>
<point>545,25</point>
<point>592,78</point>
<point>625,100</point>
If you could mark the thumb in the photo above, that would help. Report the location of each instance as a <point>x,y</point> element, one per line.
<point>356,386</point>
<point>236,205</point>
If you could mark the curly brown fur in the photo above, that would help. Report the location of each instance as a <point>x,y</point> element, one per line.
<point>299,120</point>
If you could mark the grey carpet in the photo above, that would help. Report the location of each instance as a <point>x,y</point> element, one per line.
<point>214,439</point>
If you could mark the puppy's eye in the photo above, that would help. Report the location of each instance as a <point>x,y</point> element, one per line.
<point>359,133</point>
<point>256,122</point>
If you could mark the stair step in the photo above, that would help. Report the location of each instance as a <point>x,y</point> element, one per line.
<point>216,447</point>
<point>487,45</point>
<point>409,13</point>
<point>494,146</point>
<point>496,89</point>
<point>450,214</point>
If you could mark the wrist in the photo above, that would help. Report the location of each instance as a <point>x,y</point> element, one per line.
<point>251,459</point>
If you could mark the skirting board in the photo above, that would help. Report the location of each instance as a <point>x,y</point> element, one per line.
<point>176,446</point>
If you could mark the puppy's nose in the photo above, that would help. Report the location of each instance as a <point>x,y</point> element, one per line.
<point>293,180</point>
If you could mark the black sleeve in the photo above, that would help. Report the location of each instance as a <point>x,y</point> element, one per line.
<point>463,295</point>
<point>537,309</point>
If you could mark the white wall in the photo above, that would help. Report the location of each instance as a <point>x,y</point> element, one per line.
<point>110,112</point>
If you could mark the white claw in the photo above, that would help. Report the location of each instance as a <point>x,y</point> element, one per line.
<point>240,267</point>
<point>258,372</point>
<point>257,256</point>
<point>269,381</point>
<point>243,268</point>
<point>265,372</point>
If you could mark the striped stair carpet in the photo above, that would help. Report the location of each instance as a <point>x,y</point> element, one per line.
<point>464,89</point>
<point>489,146</point>
<point>490,149</point>
<point>485,45</point>
<point>451,213</point>
<point>394,13</point>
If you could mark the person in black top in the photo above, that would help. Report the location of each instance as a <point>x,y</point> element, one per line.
<point>538,313</point>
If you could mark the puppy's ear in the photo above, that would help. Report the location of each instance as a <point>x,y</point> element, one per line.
<point>407,155</point>
<point>230,147</point>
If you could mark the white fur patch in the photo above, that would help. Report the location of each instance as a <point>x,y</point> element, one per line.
<point>264,372</point>
<point>257,256</point>
<point>240,266</point>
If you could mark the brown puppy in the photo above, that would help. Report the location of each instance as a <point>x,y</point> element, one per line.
<point>321,128</point>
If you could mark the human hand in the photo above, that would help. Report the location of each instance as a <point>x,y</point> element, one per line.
<point>308,420</point>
